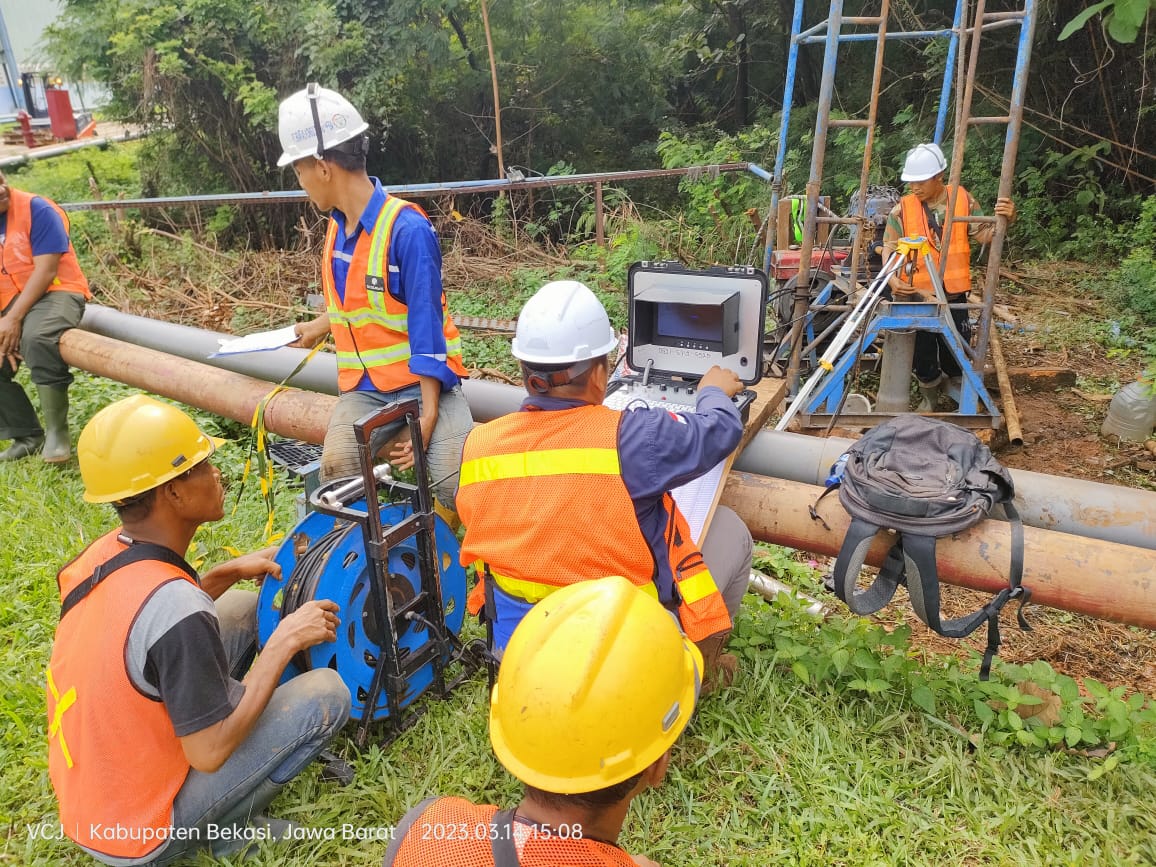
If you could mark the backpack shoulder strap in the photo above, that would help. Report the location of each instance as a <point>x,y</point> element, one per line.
<point>923,587</point>
<point>850,561</point>
<point>502,845</point>
<point>402,829</point>
<point>134,553</point>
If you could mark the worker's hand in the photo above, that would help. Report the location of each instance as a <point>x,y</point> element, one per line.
<point>257,565</point>
<point>309,334</point>
<point>401,456</point>
<point>722,378</point>
<point>13,360</point>
<point>1006,208</point>
<point>313,623</point>
<point>643,861</point>
<point>10,330</point>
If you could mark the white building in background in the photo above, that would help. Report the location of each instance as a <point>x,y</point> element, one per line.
<point>26,69</point>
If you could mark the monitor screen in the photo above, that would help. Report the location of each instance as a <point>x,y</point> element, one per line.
<point>703,322</point>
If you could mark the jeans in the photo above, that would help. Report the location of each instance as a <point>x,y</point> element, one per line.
<point>302,716</point>
<point>49,317</point>
<point>443,457</point>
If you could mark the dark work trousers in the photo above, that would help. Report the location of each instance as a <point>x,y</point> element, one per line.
<point>932,355</point>
<point>49,317</point>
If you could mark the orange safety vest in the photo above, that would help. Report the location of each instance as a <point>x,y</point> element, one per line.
<point>452,832</point>
<point>369,325</point>
<point>544,504</point>
<point>16,253</point>
<point>114,759</point>
<point>957,277</point>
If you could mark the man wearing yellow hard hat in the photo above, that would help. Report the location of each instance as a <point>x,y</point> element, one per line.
<point>571,718</point>
<point>155,749</point>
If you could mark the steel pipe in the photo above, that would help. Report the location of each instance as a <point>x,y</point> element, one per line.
<point>293,413</point>
<point>487,400</point>
<point>1076,506</point>
<point>1093,510</point>
<point>1088,576</point>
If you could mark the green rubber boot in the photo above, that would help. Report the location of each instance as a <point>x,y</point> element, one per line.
<point>22,447</point>
<point>54,403</point>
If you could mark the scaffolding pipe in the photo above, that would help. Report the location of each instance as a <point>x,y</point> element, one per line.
<point>1075,506</point>
<point>1087,576</point>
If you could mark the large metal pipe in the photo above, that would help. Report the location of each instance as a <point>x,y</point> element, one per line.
<point>293,413</point>
<point>488,400</point>
<point>1093,510</point>
<point>1109,512</point>
<point>1103,579</point>
<point>1088,576</point>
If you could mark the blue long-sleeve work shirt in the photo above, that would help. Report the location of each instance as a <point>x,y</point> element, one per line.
<point>415,279</point>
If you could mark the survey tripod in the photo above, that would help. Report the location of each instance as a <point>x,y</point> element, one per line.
<point>971,21</point>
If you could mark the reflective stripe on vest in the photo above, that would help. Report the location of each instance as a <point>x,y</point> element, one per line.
<point>957,277</point>
<point>369,325</point>
<point>16,260</point>
<point>452,832</point>
<point>544,504</point>
<point>100,727</point>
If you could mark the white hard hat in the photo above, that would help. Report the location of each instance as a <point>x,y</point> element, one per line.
<point>923,161</point>
<point>563,323</point>
<point>313,120</point>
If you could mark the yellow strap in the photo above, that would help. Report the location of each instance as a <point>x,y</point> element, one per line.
<point>697,587</point>
<point>63,703</point>
<point>533,591</point>
<point>550,462</point>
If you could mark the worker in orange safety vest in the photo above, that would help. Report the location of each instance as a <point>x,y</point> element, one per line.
<point>162,739</point>
<point>923,213</point>
<point>597,737</point>
<point>385,306</point>
<point>42,295</point>
<point>568,490</point>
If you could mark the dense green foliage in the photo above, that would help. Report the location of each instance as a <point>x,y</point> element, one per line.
<point>595,85</point>
<point>838,743</point>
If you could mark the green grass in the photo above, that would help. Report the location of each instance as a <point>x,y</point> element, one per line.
<point>836,745</point>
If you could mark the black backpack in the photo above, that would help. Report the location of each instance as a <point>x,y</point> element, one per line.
<point>922,478</point>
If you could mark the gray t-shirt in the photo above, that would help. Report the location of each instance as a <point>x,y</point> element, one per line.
<point>174,654</point>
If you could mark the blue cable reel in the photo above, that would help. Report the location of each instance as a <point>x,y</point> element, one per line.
<point>324,558</point>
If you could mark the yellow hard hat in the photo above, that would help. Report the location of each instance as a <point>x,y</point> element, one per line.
<point>597,682</point>
<point>136,444</point>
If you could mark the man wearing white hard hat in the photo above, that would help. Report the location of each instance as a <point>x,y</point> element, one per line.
<point>923,212</point>
<point>568,490</point>
<point>385,305</point>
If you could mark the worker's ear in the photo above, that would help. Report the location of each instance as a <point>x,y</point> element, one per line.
<point>656,773</point>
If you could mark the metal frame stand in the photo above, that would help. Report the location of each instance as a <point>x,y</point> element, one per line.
<point>970,20</point>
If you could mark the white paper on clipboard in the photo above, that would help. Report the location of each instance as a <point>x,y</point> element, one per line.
<point>259,342</point>
<point>696,499</point>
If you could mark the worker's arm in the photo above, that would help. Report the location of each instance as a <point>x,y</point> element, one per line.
<point>310,333</point>
<point>313,623</point>
<point>415,252</point>
<point>44,268</point>
<point>255,565</point>
<point>401,457</point>
<point>901,287</point>
<point>1005,208</point>
<point>660,450</point>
